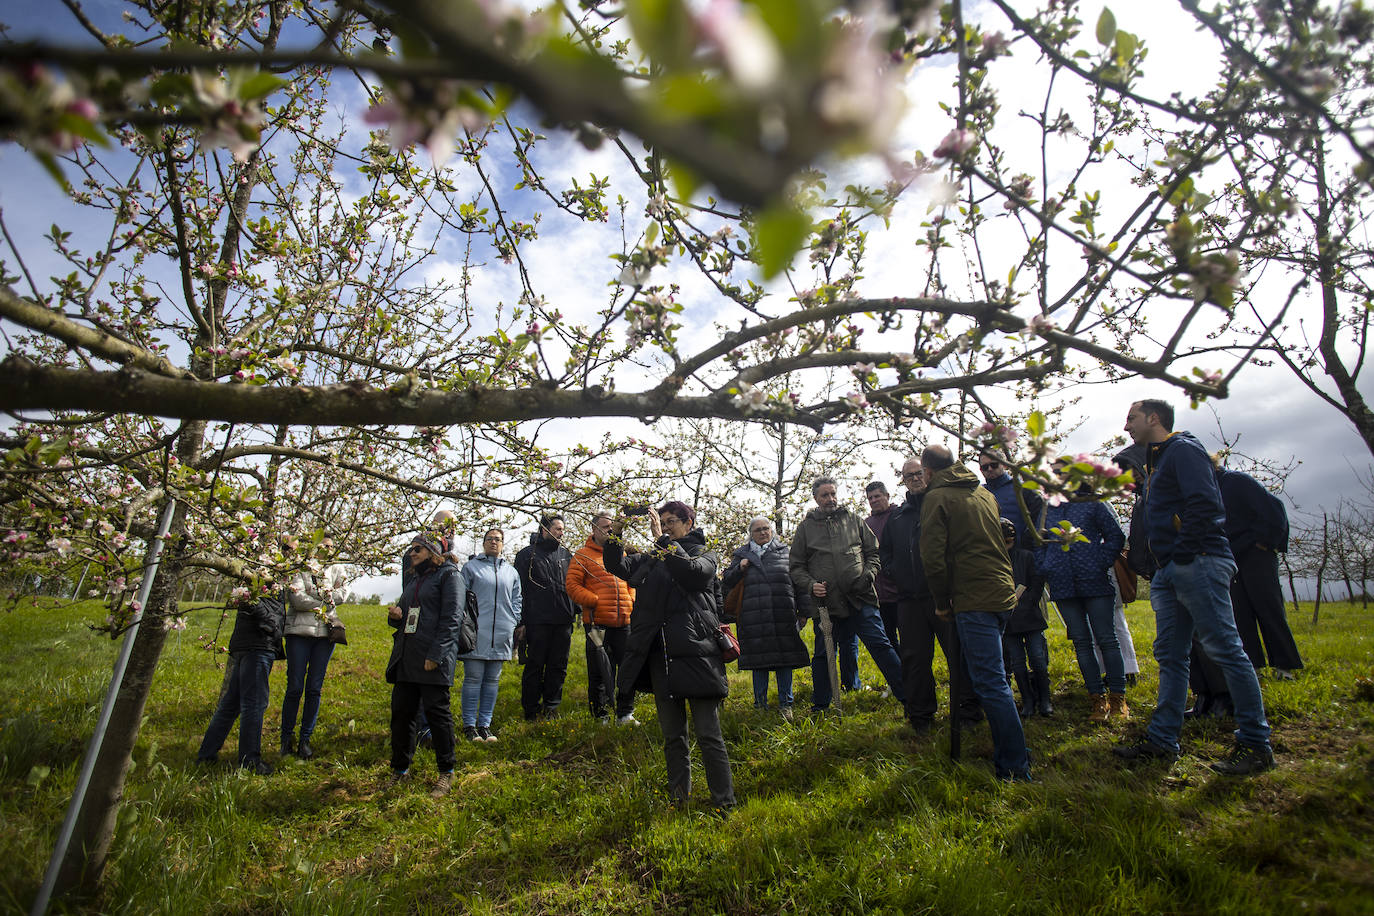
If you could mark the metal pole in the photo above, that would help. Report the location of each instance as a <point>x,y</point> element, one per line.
<point>83,781</point>
<point>76,592</point>
<point>956,663</point>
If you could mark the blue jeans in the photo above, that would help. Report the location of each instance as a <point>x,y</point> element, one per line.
<point>1198,597</point>
<point>866,625</point>
<point>307,659</point>
<point>481,683</point>
<point>1090,618</point>
<point>761,686</point>
<point>1022,649</point>
<point>244,698</point>
<point>980,641</point>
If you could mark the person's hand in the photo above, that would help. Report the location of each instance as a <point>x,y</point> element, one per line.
<point>394,612</point>
<point>431,665</point>
<point>818,589</point>
<point>945,613</point>
<point>743,564</point>
<point>655,525</point>
<point>519,634</point>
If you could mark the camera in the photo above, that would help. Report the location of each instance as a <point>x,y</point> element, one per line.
<point>634,510</point>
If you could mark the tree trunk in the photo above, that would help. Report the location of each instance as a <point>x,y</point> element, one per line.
<point>1321,568</point>
<point>1292,582</point>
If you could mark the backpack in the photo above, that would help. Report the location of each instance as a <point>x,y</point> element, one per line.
<point>467,629</point>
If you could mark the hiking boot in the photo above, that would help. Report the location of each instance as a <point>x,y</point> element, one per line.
<point>1100,710</point>
<point>921,727</point>
<point>1245,760</point>
<point>304,751</point>
<point>1144,751</point>
<point>395,779</point>
<point>627,719</point>
<point>485,734</point>
<point>1041,681</point>
<point>441,785</point>
<point>1023,684</point>
<point>288,743</point>
<point>786,713</point>
<point>1116,704</point>
<point>470,733</point>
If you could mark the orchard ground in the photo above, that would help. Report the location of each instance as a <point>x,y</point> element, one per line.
<point>842,813</point>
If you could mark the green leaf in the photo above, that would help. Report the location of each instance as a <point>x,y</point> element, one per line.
<point>778,233</point>
<point>37,773</point>
<point>685,181</point>
<point>1106,27</point>
<point>259,85</point>
<point>1126,43</point>
<point>1035,424</point>
<point>415,44</point>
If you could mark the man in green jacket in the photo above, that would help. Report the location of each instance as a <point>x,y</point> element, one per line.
<point>834,559</point>
<point>969,572</point>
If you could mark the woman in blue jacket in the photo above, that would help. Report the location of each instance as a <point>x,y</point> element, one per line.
<point>497,586</point>
<point>1077,579</point>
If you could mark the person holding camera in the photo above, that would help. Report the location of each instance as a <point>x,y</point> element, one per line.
<point>424,654</point>
<point>672,650</point>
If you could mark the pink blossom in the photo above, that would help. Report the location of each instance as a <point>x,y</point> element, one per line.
<point>955,144</point>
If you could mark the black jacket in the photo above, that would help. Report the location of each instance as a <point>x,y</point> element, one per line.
<point>439,593</point>
<point>675,618</point>
<point>1029,615</point>
<point>899,551</point>
<point>258,626</point>
<point>768,636</point>
<point>1254,516</point>
<point>1132,458</point>
<point>543,569</point>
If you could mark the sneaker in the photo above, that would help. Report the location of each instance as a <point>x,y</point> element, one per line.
<point>921,727</point>
<point>786,712</point>
<point>257,766</point>
<point>604,719</point>
<point>1283,674</point>
<point>441,785</point>
<point>627,719</point>
<point>1245,760</point>
<point>485,734</point>
<point>470,733</point>
<point>395,779</point>
<point>886,694</point>
<point>1144,750</point>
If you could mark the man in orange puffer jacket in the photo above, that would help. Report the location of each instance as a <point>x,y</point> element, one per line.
<point>606,601</point>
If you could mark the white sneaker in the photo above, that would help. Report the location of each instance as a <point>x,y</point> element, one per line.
<point>887,692</point>
<point>627,720</point>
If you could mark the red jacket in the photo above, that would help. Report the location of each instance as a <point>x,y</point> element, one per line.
<point>599,593</point>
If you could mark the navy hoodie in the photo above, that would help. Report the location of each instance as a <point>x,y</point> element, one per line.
<point>1183,511</point>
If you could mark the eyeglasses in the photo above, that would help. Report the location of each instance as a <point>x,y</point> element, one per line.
<point>910,475</point>
<point>492,537</point>
<point>990,466</point>
<point>759,529</point>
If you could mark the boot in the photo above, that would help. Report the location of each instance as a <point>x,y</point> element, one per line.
<point>1023,684</point>
<point>305,752</point>
<point>1117,707</point>
<point>288,743</point>
<point>1100,709</point>
<point>1041,680</point>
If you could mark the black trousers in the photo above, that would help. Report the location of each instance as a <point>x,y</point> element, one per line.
<point>891,623</point>
<point>1257,599</point>
<point>546,666</point>
<point>920,630</point>
<point>598,691</point>
<point>406,700</point>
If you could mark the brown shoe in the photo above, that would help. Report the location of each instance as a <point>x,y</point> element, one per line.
<point>1118,708</point>
<point>441,786</point>
<point>1100,708</point>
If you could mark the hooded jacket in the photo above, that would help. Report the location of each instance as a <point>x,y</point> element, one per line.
<point>604,597</point>
<point>499,599</point>
<point>965,560</point>
<point>1184,516</point>
<point>836,547</point>
<point>899,551</point>
<point>543,569</point>
<point>258,625</point>
<point>439,594</point>
<point>1085,569</point>
<point>675,620</point>
<point>768,636</point>
<point>1254,516</point>
<point>1029,615</point>
<point>311,604</point>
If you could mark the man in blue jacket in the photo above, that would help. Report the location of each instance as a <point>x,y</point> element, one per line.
<point>1257,527</point>
<point>1184,521</point>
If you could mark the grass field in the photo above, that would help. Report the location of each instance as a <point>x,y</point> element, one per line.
<point>838,814</point>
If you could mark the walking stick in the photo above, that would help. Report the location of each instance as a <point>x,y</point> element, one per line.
<point>828,634</point>
<point>956,664</point>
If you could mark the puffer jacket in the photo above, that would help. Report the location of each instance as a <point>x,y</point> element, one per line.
<point>543,569</point>
<point>768,635</point>
<point>965,559</point>
<point>258,625</point>
<point>675,620</point>
<point>605,599</point>
<point>1183,509</point>
<point>1085,569</point>
<point>311,604</point>
<point>497,587</point>
<point>439,593</point>
<point>838,549</point>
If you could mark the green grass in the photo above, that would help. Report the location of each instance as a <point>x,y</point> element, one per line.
<point>839,814</point>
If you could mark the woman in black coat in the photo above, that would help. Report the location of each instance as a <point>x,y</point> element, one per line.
<point>769,635</point>
<point>424,653</point>
<point>672,649</point>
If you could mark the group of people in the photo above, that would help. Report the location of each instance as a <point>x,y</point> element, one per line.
<point>960,564</point>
